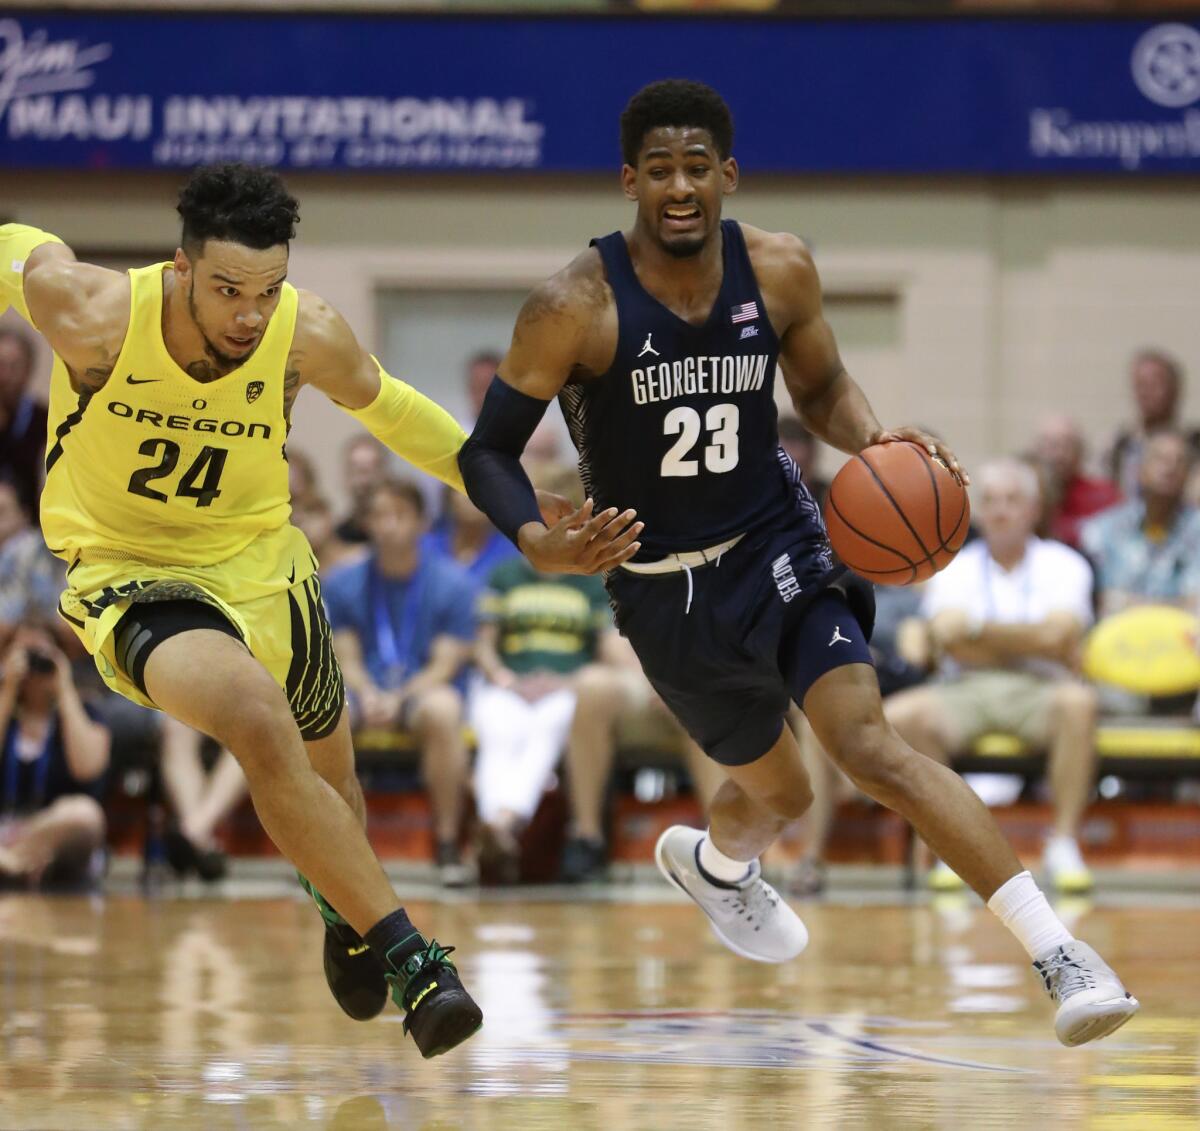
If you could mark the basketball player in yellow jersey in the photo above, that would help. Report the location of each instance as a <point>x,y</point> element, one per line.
<point>166,493</point>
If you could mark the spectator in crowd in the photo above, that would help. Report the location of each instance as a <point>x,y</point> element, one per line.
<point>22,420</point>
<point>903,653</point>
<point>403,628</point>
<point>544,448</point>
<point>801,445</point>
<point>1148,550</point>
<point>468,538</point>
<point>312,513</point>
<point>55,753</point>
<point>1157,381</point>
<point>31,578</point>
<point>481,368</point>
<point>536,632</point>
<point>1008,616</point>
<point>1071,495</point>
<point>615,703</point>
<point>200,800</point>
<point>365,466</point>
<point>303,481</point>
<point>314,517</point>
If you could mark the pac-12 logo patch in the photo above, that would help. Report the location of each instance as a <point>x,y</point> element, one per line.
<point>253,391</point>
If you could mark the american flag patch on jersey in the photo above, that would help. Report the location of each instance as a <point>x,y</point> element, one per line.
<point>747,312</point>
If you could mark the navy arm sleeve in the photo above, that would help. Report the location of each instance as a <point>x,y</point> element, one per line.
<point>490,460</point>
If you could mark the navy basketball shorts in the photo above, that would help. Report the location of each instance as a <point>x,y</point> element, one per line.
<point>759,630</point>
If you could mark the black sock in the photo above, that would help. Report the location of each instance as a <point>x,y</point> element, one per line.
<point>394,939</point>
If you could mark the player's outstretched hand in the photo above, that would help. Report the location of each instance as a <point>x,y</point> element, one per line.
<point>582,542</point>
<point>930,443</point>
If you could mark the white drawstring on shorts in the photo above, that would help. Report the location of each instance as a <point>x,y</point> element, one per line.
<point>687,561</point>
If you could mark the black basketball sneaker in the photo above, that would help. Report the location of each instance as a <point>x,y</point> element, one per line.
<point>354,972</point>
<point>439,1013</point>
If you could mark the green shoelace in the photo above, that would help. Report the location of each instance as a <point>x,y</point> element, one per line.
<point>434,954</point>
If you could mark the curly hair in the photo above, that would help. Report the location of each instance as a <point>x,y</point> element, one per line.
<point>242,203</point>
<point>675,102</point>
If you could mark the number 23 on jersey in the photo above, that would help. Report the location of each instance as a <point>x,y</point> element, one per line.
<point>720,441</point>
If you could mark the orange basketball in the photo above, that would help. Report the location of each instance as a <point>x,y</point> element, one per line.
<point>896,515</point>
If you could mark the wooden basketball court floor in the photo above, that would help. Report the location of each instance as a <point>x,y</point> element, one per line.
<point>616,1011</point>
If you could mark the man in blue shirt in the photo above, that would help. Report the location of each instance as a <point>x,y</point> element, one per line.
<point>403,628</point>
<point>1148,551</point>
<point>467,537</point>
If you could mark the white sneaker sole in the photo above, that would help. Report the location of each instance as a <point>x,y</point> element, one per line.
<point>1099,1019</point>
<point>716,930</point>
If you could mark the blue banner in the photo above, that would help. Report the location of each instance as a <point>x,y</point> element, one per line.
<point>364,92</point>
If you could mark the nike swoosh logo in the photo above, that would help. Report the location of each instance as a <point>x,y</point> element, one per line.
<point>292,575</point>
<point>132,380</point>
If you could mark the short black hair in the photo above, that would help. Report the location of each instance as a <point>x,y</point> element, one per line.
<point>675,102</point>
<point>1172,365</point>
<point>399,488</point>
<point>245,204</point>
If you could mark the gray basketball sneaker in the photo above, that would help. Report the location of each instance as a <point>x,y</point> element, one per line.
<point>1091,1000</point>
<point>750,918</point>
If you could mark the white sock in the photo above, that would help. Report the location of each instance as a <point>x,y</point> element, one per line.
<point>1022,908</point>
<point>720,866</point>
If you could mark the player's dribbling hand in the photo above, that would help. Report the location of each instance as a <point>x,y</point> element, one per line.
<point>930,443</point>
<point>582,542</point>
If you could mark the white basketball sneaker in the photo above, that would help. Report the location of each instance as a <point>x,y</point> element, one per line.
<point>1091,1000</point>
<point>750,917</point>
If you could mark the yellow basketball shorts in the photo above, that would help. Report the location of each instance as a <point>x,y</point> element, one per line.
<point>285,630</point>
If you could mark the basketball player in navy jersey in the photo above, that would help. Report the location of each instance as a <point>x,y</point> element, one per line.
<point>661,344</point>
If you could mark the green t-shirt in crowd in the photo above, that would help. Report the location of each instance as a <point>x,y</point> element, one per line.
<point>545,622</point>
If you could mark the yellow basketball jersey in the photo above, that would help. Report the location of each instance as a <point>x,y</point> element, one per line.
<point>159,467</point>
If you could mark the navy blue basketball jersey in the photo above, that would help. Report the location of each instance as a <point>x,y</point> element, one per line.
<point>683,426</point>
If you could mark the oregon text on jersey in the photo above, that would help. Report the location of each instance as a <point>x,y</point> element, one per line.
<point>183,423</point>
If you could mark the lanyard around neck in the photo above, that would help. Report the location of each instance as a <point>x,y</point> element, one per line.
<point>396,643</point>
<point>12,768</point>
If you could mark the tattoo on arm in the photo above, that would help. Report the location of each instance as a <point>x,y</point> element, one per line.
<point>95,376</point>
<point>291,386</point>
<point>540,304</point>
<point>559,304</point>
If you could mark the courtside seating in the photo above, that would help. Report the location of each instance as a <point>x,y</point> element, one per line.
<point>1130,746</point>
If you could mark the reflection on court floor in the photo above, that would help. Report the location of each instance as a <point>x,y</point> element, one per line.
<point>124,1013</point>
